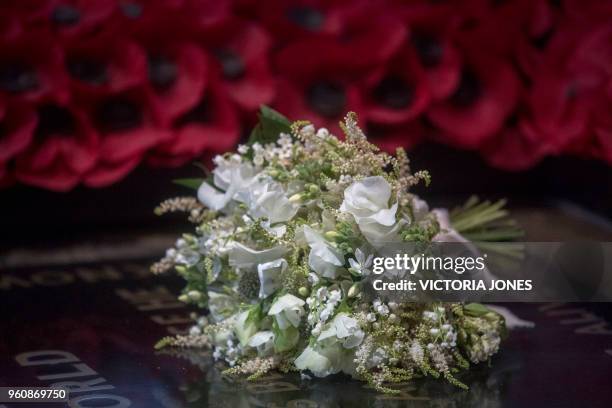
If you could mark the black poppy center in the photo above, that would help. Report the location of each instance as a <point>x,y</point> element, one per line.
<point>65,15</point>
<point>468,91</point>
<point>54,120</point>
<point>428,49</point>
<point>17,77</point>
<point>118,114</point>
<point>306,17</point>
<point>232,64</point>
<point>541,42</point>
<point>327,99</point>
<point>88,70</point>
<point>162,71</point>
<point>131,10</point>
<point>393,92</point>
<point>201,113</point>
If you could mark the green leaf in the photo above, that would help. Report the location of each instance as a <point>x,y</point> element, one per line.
<point>271,125</point>
<point>193,183</point>
<point>285,340</point>
<point>476,309</point>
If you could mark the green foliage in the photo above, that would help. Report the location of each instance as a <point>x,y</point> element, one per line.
<point>285,340</point>
<point>193,183</point>
<point>475,309</point>
<point>271,124</point>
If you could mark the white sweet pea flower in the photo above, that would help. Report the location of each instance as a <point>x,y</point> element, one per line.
<point>323,258</point>
<point>320,361</point>
<point>243,257</point>
<point>244,328</point>
<point>345,329</point>
<point>233,177</point>
<point>263,341</point>
<point>367,200</point>
<point>360,265</point>
<point>221,306</point>
<point>287,310</point>
<point>270,276</point>
<point>267,199</point>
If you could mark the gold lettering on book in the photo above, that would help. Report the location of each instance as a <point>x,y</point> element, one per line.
<point>74,368</point>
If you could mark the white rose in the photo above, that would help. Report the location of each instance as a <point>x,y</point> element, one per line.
<point>323,258</point>
<point>345,329</point>
<point>270,276</point>
<point>287,310</point>
<point>263,341</point>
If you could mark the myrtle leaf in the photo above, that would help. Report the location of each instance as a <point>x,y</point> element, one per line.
<point>271,125</point>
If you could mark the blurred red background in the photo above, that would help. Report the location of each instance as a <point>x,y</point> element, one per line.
<point>497,97</point>
<point>90,89</point>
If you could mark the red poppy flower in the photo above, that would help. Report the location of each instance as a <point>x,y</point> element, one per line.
<point>305,18</point>
<point>176,71</point>
<point>72,18</point>
<point>64,148</point>
<point>432,28</point>
<point>103,64</point>
<point>485,96</point>
<point>211,126</point>
<point>31,69</point>
<point>397,92</point>
<point>107,173</point>
<point>128,128</point>
<point>514,148</point>
<point>241,51</point>
<point>17,124</point>
<point>557,111</point>
<point>318,83</point>
<point>566,83</point>
<point>205,14</point>
<point>10,27</point>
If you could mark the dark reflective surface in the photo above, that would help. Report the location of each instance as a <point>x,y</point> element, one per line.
<point>93,327</point>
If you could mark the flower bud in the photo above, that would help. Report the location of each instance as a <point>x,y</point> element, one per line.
<point>303,291</point>
<point>331,235</point>
<point>354,290</point>
<point>273,173</point>
<point>183,298</point>
<point>314,189</point>
<point>296,198</point>
<point>194,295</point>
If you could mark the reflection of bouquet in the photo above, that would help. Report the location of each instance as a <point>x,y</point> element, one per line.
<point>286,230</point>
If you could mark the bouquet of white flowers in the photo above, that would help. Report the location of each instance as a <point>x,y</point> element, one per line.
<point>286,230</point>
